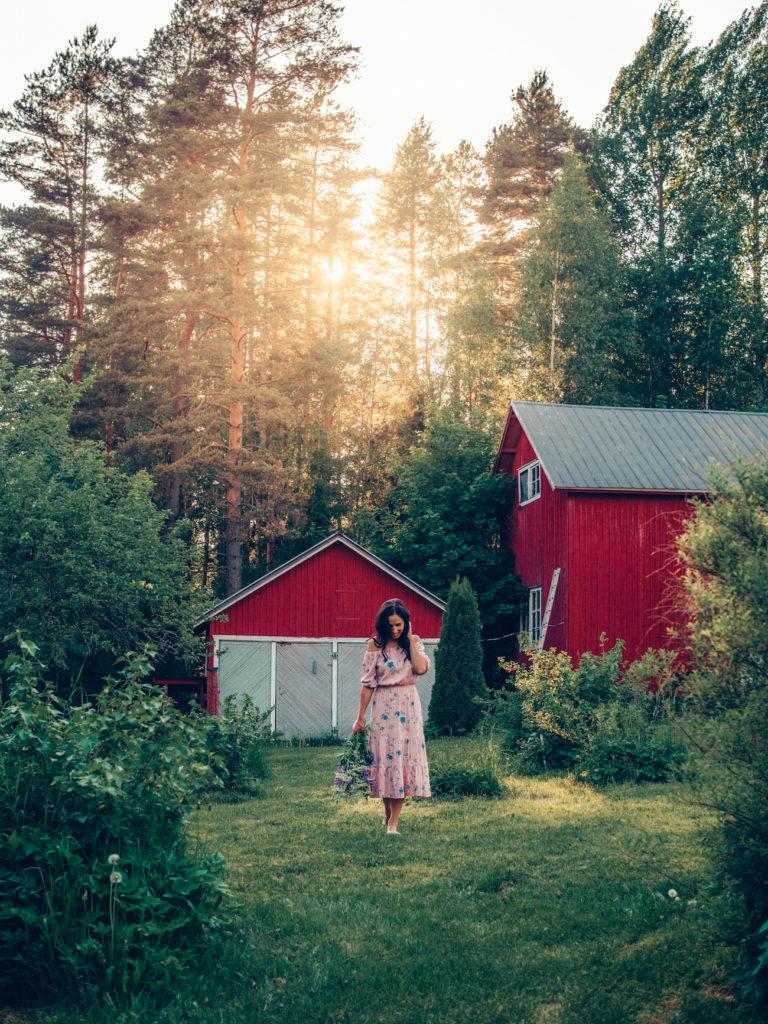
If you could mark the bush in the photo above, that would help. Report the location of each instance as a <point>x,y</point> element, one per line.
<point>459,780</point>
<point>237,739</point>
<point>458,664</point>
<point>98,889</point>
<point>599,718</point>
<point>623,748</point>
<point>724,550</point>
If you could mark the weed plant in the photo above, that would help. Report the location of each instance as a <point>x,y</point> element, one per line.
<point>237,739</point>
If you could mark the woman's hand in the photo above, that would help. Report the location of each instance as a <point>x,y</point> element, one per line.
<point>359,726</point>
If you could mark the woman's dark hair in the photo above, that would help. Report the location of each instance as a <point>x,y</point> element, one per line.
<point>382,632</point>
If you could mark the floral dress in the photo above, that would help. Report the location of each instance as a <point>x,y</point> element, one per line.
<point>396,739</point>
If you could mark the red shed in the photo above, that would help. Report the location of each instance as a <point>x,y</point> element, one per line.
<point>294,639</point>
<point>599,497</point>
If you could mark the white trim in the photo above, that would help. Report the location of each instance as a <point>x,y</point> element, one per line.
<point>528,467</point>
<point>309,639</point>
<point>335,538</point>
<point>531,592</point>
<point>273,687</point>
<point>335,685</point>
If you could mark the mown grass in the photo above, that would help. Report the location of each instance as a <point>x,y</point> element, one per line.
<point>548,906</point>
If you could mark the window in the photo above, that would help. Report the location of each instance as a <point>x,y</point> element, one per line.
<point>534,615</point>
<point>530,620</point>
<point>529,482</point>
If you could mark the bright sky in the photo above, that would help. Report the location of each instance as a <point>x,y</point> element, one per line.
<point>454,62</point>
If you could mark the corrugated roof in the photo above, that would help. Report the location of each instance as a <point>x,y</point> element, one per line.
<point>593,447</point>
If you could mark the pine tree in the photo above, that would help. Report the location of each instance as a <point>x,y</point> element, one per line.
<point>53,139</point>
<point>458,663</point>
<point>229,195</point>
<point>410,219</point>
<point>522,160</point>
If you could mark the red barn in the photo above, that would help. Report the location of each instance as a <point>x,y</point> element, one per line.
<point>600,495</point>
<point>294,639</point>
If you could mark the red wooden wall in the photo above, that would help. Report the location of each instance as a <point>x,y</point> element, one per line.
<point>335,593</point>
<point>537,536</point>
<point>615,553</point>
<point>623,569</point>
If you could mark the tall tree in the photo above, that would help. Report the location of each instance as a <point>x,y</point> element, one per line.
<point>641,162</point>
<point>235,108</point>
<point>572,329</point>
<point>523,159</point>
<point>409,220</point>
<point>734,147</point>
<point>52,149</point>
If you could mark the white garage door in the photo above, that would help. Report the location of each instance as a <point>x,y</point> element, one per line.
<point>245,666</point>
<point>304,681</point>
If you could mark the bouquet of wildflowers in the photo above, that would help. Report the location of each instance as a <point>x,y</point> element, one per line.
<point>351,778</point>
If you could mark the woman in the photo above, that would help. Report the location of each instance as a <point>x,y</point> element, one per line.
<point>395,656</point>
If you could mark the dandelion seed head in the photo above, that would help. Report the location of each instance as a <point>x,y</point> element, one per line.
<point>113,858</point>
<point>672,894</point>
<point>115,878</point>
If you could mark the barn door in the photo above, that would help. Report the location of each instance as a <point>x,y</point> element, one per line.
<point>304,687</point>
<point>425,683</point>
<point>350,661</point>
<point>245,667</point>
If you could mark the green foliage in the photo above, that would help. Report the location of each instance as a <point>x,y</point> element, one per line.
<point>477,774</point>
<point>600,719</point>
<point>623,748</point>
<point>573,318</point>
<point>79,536</point>
<point>464,781</point>
<point>237,739</point>
<point>99,890</point>
<point>352,772</point>
<point>458,663</point>
<point>444,517</point>
<point>725,553</point>
<point>321,739</point>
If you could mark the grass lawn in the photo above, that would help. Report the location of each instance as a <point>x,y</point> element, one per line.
<point>546,907</point>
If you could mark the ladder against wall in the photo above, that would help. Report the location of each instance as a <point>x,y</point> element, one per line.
<point>548,607</point>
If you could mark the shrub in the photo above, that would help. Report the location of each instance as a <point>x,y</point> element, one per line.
<point>98,889</point>
<point>559,717</point>
<point>458,664</point>
<point>237,739</point>
<point>623,748</point>
<point>724,550</point>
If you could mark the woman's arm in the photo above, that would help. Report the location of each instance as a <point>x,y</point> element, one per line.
<point>365,699</point>
<point>419,661</point>
<point>368,685</point>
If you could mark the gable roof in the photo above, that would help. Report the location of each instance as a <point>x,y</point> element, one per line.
<point>615,448</point>
<point>339,537</point>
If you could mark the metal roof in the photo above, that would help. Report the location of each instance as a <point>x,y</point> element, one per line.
<point>339,537</point>
<point>615,448</point>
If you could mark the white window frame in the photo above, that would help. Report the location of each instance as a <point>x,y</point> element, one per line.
<point>532,471</point>
<point>530,620</point>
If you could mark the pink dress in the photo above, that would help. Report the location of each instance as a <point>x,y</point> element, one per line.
<point>396,738</point>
